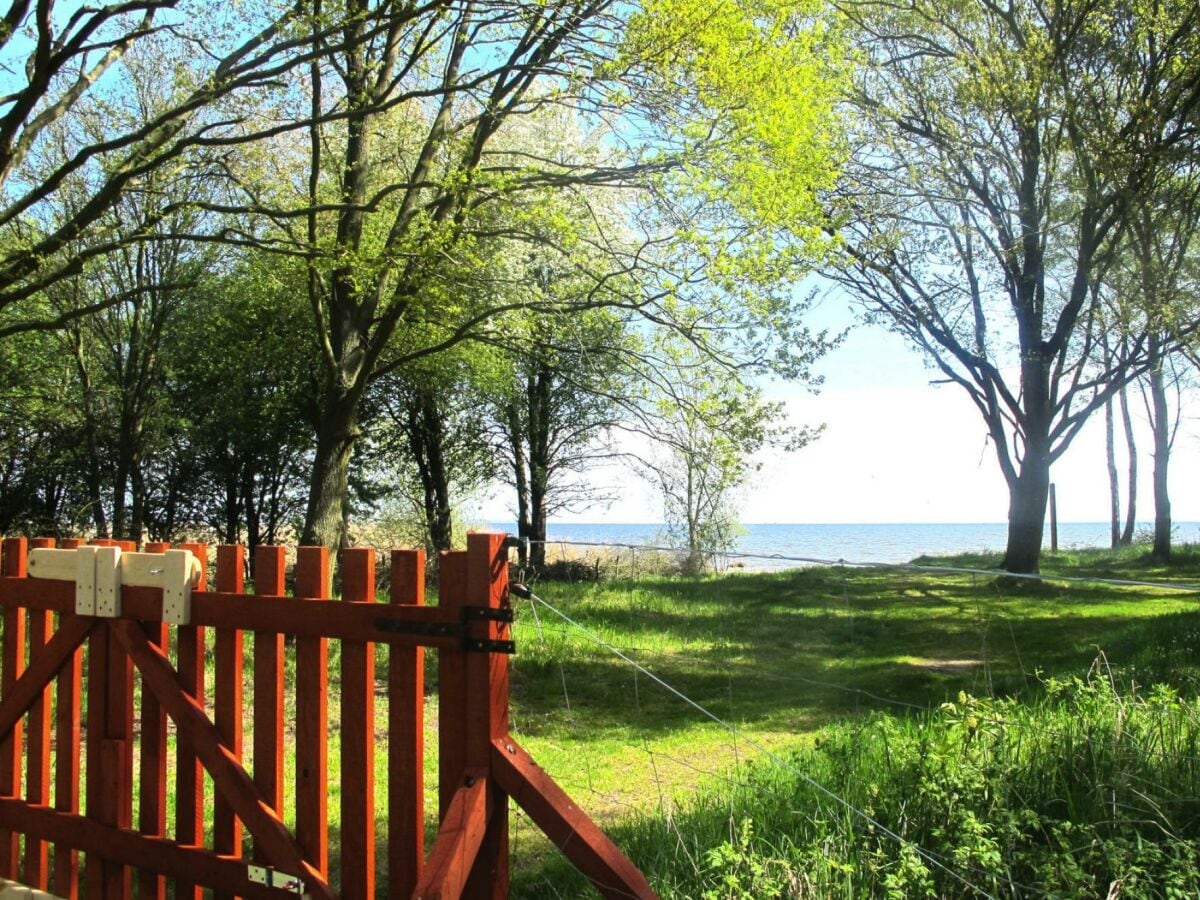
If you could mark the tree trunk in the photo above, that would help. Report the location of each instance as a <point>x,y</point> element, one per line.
<point>120,487</point>
<point>1029,489</point>
<point>232,505</point>
<point>250,505</point>
<point>427,439</point>
<point>1027,516</point>
<point>91,437</point>
<point>539,461</point>
<point>516,441</point>
<point>1114,487</point>
<point>328,492</point>
<point>1131,447</point>
<point>1162,456</point>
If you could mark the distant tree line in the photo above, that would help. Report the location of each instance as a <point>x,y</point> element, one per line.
<point>283,268</point>
<point>273,269</point>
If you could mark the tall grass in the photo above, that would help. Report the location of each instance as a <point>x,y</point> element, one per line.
<point>1088,792</point>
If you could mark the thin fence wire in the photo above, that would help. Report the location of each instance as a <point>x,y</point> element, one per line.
<point>1185,587</point>
<point>671,779</point>
<point>675,657</point>
<point>738,736</point>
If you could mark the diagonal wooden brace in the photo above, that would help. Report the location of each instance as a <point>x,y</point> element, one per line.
<point>229,778</point>
<point>46,663</point>
<point>458,841</point>
<point>578,837</point>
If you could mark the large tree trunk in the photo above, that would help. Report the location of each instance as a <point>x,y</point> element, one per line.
<point>328,492</point>
<point>1131,448</point>
<point>1027,517</point>
<point>1029,490</point>
<point>1162,457</point>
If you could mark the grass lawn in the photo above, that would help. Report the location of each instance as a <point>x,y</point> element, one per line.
<point>780,655</point>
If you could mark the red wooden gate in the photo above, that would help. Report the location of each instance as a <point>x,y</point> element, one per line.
<point>113,768</point>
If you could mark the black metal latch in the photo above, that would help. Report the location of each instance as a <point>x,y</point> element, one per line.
<point>502,614</point>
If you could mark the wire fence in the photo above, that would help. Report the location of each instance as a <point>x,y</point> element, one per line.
<point>697,651</point>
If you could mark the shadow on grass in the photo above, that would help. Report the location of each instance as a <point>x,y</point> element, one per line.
<point>780,654</point>
<point>824,642</point>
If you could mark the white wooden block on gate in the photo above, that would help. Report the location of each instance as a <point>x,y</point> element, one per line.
<point>60,565</point>
<point>108,582</point>
<point>85,581</point>
<point>180,572</point>
<point>143,569</point>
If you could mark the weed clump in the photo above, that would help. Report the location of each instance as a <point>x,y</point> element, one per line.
<point>1087,792</point>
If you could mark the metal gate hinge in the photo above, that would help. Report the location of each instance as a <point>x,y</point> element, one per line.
<point>487,614</point>
<point>501,614</point>
<point>485,645</point>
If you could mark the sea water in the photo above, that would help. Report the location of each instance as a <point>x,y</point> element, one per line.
<point>886,543</point>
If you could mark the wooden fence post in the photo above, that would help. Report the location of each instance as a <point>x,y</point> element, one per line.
<point>227,700</point>
<point>189,784</point>
<point>487,706</point>
<point>312,716</point>
<point>37,859</point>
<point>66,758</point>
<point>269,566</point>
<point>358,735</point>
<point>406,735</point>
<point>152,811</point>
<point>12,664</point>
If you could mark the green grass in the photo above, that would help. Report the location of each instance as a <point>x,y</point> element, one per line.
<point>786,657</point>
<point>843,674</point>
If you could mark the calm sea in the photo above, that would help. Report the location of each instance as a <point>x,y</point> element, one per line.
<point>891,543</point>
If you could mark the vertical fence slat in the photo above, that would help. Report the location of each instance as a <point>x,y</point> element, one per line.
<point>227,830</point>
<point>68,702</point>
<point>312,717</point>
<point>487,708</point>
<point>268,687</point>
<point>452,686</point>
<point>110,677</point>
<point>152,779</point>
<point>117,753</point>
<point>37,790</point>
<point>12,664</point>
<point>358,736</point>
<point>406,736</point>
<point>189,786</point>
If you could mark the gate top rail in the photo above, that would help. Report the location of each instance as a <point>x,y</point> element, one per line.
<point>159,588</point>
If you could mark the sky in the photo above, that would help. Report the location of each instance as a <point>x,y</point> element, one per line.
<point>898,449</point>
